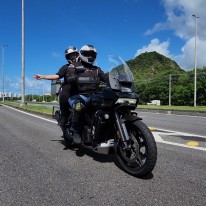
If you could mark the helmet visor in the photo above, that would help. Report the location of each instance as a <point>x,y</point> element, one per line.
<point>92,54</point>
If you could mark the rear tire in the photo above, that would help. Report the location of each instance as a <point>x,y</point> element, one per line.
<point>141,158</point>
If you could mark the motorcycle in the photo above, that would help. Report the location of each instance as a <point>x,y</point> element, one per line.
<point>111,124</point>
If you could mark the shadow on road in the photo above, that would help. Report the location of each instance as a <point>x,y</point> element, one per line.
<point>103,158</point>
<point>81,151</point>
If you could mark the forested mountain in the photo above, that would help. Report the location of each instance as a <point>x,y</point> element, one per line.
<point>159,77</point>
<point>153,64</point>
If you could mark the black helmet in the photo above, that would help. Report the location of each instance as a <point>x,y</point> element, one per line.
<point>88,54</point>
<point>71,54</point>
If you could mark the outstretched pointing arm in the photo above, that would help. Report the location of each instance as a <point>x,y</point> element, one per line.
<point>48,77</point>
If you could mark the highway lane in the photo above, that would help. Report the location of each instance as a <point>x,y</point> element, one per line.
<point>181,123</point>
<point>35,169</point>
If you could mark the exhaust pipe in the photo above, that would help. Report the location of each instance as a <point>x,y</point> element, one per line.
<point>105,148</point>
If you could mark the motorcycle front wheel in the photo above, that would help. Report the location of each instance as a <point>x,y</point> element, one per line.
<point>139,159</point>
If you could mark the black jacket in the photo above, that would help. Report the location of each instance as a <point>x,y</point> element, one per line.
<point>70,73</point>
<point>86,70</point>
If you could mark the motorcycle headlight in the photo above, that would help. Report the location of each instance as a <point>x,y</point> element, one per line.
<point>126,89</point>
<point>126,100</point>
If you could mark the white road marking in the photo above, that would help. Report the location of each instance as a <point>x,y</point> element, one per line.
<point>156,134</point>
<point>182,115</point>
<point>48,120</point>
<point>179,133</point>
<point>157,137</point>
<point>160,140</point>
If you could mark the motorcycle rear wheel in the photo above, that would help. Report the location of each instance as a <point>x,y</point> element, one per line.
<point>141,158</point>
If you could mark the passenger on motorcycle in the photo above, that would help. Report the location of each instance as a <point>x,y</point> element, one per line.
<point>72,56</point>
<point>83,68</point>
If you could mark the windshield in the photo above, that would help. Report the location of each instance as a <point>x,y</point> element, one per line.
<point>120,75</point>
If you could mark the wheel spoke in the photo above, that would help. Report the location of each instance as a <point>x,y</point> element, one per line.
<point>139,160</point>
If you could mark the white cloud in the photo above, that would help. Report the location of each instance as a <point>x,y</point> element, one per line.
<point>32,86</point>
<point>37,86</point>
<point>186,58</point>
<point>157,27</point>
<point>155,45</point>
<point>179,19</point>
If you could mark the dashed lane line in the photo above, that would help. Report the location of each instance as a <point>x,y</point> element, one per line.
<point>190,144</point>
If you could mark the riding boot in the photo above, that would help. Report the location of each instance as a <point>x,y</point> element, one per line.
<point>62,121</point>
<point>76,127</point>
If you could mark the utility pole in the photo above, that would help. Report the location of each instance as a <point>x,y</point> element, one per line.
<point>43,92</point>
<point>22,59</point>
<point>195,77</point>
<point>170,78</point>
<point>3,46</point>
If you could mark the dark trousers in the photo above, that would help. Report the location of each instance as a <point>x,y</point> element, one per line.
<point>63,102</point>
<point>78,103</point>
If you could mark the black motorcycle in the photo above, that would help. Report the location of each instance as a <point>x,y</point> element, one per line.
<point>110,122</point>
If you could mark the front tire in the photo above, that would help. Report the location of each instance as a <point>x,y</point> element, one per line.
<point>140,159</point>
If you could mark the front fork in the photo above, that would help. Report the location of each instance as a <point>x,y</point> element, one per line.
<point>122,131</point>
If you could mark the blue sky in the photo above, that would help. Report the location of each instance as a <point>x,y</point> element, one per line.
<point>123,27</point>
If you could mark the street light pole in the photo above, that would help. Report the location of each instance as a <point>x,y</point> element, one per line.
<point>195,77</point>
<point>170,88</point>
<point>3,46</point>
<point>22,58</point>
<point>43,91</point>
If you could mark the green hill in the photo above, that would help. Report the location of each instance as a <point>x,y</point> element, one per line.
<point>152,64</point>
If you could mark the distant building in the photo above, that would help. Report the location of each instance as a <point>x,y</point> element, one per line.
<point>10,95</point>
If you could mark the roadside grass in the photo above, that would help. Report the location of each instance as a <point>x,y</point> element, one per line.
<point>35,109</point>
<point>46,110</point>
<point>172,108</point>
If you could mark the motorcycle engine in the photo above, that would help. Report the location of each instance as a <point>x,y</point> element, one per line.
<point>104,127</point>
<point>87,135</point>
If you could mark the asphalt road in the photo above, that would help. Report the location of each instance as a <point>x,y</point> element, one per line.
<point>35,169</point>
<point>182,123</point>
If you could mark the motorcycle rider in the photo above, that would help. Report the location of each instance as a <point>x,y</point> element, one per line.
<point>87,56</point>
<point>72,56</point>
